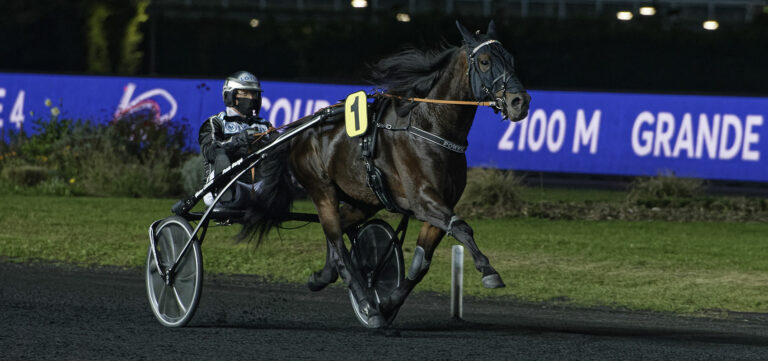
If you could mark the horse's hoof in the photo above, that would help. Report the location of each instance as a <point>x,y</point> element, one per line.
<point>373,318</point>
<point>385,306</point>
<point>493,281</point>
<point>377,321</point>
<point>314,283</point>
<point>318,280</point>
<point>389,313</point>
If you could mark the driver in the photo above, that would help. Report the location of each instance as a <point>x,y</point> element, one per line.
<point>226,136</point>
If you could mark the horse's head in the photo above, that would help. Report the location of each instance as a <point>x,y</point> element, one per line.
<point>491,71</point>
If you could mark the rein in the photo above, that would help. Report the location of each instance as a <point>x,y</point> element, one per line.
<point>258,136</point>
<point>439,101</point>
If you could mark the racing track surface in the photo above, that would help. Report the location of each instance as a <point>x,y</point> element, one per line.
<point>69,313</point>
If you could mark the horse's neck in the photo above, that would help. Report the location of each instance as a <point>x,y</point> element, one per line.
<point>449,121</point>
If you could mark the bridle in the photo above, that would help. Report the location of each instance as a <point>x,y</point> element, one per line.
<point>498,104</point>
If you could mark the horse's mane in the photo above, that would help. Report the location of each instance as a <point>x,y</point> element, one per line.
<point>411,72</point>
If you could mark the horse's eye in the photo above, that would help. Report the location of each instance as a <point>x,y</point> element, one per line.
<point>485,62</point>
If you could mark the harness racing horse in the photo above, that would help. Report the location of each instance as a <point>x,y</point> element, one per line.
<point>422,177</point>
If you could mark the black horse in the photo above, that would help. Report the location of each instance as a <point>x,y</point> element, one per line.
<point>423,178</point>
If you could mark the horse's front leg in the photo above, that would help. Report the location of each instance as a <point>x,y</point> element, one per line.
<point>350,217</point>
<point>328,212</point>
<point>443,217</point>
<point>429,238</point>
<point>464,234</point>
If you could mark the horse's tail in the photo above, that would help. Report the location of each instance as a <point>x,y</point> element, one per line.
<point>273,200</point>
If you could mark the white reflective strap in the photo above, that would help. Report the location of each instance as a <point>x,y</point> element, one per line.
<point>503,77</point>
<point>484,44</point>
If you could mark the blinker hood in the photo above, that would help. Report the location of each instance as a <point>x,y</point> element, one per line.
<point>501,75</point>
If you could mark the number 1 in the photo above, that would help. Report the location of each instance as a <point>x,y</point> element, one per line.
<point>357,113</point>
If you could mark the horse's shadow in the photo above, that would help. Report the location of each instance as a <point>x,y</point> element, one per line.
<point>458,328</point>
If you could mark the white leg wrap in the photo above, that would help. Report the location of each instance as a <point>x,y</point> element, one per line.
<point>418,264</point>
<point>450,224</point>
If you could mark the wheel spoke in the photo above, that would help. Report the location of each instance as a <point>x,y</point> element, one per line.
<point>179,302</point>
<point>170,308</point>
<point>152,265</point>
<point>166,245</point>
<point>186,292</point>
<point>181,239</point>
<point>157,284</point>
<point>186,278</point>
<point>172,244</point>
<point>385,288</point>
<point>161,302</point>
<point>186,265</point>
<point>372,256</point>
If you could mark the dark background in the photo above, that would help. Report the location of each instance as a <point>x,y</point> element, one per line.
<point>313,41</point>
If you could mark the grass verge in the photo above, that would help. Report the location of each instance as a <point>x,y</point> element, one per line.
<point>690,267</point>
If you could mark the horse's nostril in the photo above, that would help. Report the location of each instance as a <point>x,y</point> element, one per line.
<point>516,102</point>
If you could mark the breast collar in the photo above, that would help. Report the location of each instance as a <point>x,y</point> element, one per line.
<point>423,134</point>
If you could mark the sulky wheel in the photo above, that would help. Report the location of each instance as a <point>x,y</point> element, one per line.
<point>377,255</point>
<point>174,301</point>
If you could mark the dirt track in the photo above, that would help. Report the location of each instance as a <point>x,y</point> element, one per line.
<point>69,313</point>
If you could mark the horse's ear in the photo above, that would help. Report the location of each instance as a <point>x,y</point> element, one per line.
<point>466,34</point>
<point>492,30</point>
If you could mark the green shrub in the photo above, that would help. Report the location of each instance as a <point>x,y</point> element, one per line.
<point>192,174</point>
<point>25,175</point>
<point>131,157</point>
<point>104,170</point>
<point>54,187</point>
<point>47,134</point>
<point>664,190</point>
<point>491,193</point>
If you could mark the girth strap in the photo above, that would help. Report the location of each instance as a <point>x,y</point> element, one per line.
<point>374,177</point>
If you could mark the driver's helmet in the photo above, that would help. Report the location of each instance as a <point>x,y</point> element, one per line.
<point>242,80</point>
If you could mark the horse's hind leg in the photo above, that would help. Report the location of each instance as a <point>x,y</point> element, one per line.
<point>328,212</point>
<point>429,238</point>
<point>350,217</point>
<point>322,278</point>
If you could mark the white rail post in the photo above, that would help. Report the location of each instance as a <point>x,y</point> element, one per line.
<point>457,282</point>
